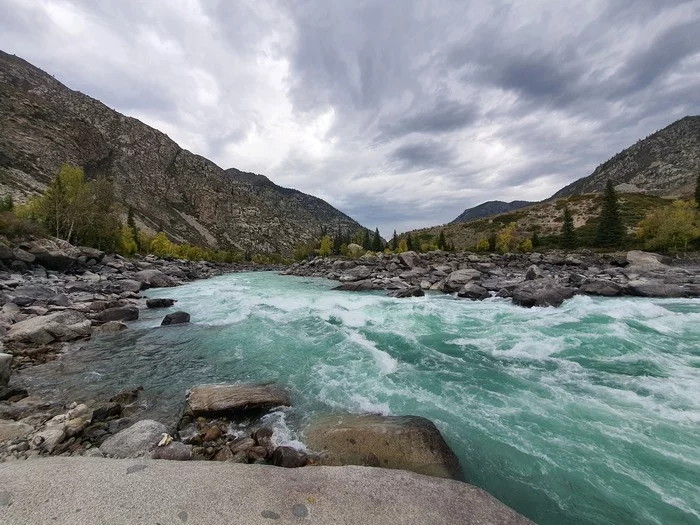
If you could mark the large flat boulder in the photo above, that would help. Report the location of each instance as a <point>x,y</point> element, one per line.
<point>397,442</point>
<point>66,325</point>
<point>147,492</point>
<point>215,400</point>
<point>119,313</point>
<point>153,278</point>
<point>647,260</point>
<point>358,273</point>
<point>136,441</point>
<point>357,286</point>
<point>53,254</point>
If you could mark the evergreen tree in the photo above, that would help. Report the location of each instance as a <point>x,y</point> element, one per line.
<point>394,242</point>
<point>337,242</point>
<point>377,242</point>
<point>409,242</point>
<point>697,192</point>
<point>535,240</point>
<point>366,242</point>
<point>442,243</point>
<point>610,228</point>
<point>568,234</point>
<point>492,242</point>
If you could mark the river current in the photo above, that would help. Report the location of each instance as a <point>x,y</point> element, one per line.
<point>584,414</point>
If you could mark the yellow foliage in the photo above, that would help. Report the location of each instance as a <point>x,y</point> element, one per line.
<point>326,246</point>
<point>482,245</point>
<point>671,228</point>
<point>160,245</point>
<point>403,246</point>
<point>127,242</point>
<point>506,240</point>
<point>526,245</point>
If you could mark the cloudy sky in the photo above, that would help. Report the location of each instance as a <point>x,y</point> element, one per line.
<point>401,113</point>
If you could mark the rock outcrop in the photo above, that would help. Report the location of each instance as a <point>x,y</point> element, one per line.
<point>212,400</point>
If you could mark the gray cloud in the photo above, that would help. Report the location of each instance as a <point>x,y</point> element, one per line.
<point>400,113</point>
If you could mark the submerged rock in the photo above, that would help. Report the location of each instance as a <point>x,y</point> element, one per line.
<point>220,400</point>
<point>412,291</point>
<point>398,442</point>
<point>176,318</point>
<point>109,327</point>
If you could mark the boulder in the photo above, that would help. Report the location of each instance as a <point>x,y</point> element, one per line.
<point>410,259</point>
<point>534,272</point>
<point>110,327</point>
<point>399,442</point>
<point>411,291</point>
<point>227,400</point>
<point>541,292</point>
<point>647,260</point>
<point>174,451</point>
<point>601,288</point>
<point>120,313</point>
<point>289,457</point>
<point>357,286</point>
<point>126,397</point>
<point>473,291</point>
<point>29,294</point>
<point>176,318</point>
<point>128,285</point>
<point>13,429</point>
<point>6,253</point>
<point>136,441</point>
<point>5,369</point>
<point>54,254</point>
<point>23,255</point>
<point>66,325</point>
<point>153,279</point>
<point>159,302</point>
<point>457,279</point>
<point>357,273</point>
<point>655,288</point>
<point>355,250</point>
<point>48,439</point>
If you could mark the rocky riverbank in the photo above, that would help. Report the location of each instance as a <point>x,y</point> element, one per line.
<point>530,279</point>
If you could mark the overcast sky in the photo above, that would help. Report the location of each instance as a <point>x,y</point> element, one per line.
<point>400,113</point>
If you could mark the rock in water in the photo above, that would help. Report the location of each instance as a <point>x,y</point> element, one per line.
<point>473,291</point>
<point>120,313</point>
<point>176,318</point>
<point>400,442</point>
<point>137,440</point>
<point>159,302</point>
<point>412,291</point>
<point>227,400</point>
<point>109,327</point>
<point>358,273</point>
<point>357,286</point>
<point>541,292</point>
<point>457,279</point>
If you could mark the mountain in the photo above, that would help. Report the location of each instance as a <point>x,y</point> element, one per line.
<point>489,208</point>
<point>666,163</point>
<point>45,124</point>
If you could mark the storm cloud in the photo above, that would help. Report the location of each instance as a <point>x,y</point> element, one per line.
<point>400,113</point>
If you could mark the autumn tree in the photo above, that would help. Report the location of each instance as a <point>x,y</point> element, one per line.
<point>326,246</point>
<point>671,228</point>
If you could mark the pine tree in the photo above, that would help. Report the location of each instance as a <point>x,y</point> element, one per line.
<point>535,240</point>
<point>610,228</point>
<point>409,242</point>
<point>568,234</point>
<point>337,242</point>
<point>697,192</point>
<point>442,243</point>
<point>394,242</point>
<point>492,242</point>
<point>366,242</point>
<point>377,242</point>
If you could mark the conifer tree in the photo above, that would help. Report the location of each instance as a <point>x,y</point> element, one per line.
<point>610,228</point>
<point>535,240</point>
<point>442,243</point>
<point>409,242</point>
<point>568,234</point>
<point>492,242</point>
<point>366,242</point>
<point>377,242</point>
<point>394,242</point>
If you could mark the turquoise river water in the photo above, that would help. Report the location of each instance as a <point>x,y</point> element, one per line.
<point>585,414</point>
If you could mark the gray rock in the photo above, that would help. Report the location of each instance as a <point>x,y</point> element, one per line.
<point>67,325</point>
<point>647,260</point>
<point>48,439</point>
<point>410,259</point>
<point>5,369</point>
<point>175,451</point>
<point>289,457</point>
<point>412,291</point>
<point>601,288</point>
<point>655,288</point>
<point>24,256</point>
<point>54,254</point>
<point>6,253</point>
<point>213,400</point>
<point>13,429</point>
<point>109,327</point>
<point>534,272</point>
<point>153,278</point>
<point>400,442</point>
<point>128,285</point>
<point>457,279</point>
<point>357,273</point>
<point>159,302</point>
<point>136,441</point>
<point>176,318</point>
<point>541,292</point>
<point>357,286</point>
<point>120,313</point>
<point>473,291</point>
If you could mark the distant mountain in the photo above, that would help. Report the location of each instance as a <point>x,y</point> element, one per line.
<point>666,163</point>
<point>44,124</point>
<point>487,209</point>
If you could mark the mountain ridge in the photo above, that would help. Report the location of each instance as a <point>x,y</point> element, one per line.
<point>47,124</point>
<point>489,208</point>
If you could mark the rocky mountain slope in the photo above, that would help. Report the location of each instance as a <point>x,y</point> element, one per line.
<point>45,124</point>
<point>666,163</point>
<point>489,208</point>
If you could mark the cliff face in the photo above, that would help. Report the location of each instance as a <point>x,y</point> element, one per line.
<point>45,124</point>
<point>488,209</point>
<point>666,163</point>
